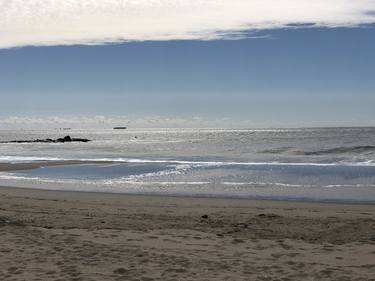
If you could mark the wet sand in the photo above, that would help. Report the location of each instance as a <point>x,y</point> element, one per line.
<point>6,167</point>
<point>54,235</point>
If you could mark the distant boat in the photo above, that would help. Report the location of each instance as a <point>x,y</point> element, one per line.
<point>64,129</point>
<point>119,128</point>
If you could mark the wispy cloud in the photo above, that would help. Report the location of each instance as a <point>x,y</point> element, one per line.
<point>56,22</point>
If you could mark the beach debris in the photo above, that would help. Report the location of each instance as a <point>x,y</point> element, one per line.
<point>237,241</point>
<point>269,216</point>
<point>120,271</point>
<point>48,140</point>
<point>8,221</point>
<point>241,225</point>
<point>4,221</point>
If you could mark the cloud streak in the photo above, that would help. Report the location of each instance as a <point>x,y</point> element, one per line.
<point>55,22</point>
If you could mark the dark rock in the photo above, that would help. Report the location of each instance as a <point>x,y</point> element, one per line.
<point>64,139</point>
<point>48,140</point>
<point>80,140</point>
<point>204,217</point>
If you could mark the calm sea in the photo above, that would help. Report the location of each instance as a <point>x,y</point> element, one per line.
<point>319,164</point>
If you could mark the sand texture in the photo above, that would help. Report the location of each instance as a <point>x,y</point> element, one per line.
<point>49,235</point>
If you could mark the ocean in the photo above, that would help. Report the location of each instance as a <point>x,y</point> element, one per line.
<point>313,164</point>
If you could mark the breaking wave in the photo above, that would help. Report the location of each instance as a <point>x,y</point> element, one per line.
<point>23,159</point>
<point>362,149</point>
<point>342,150</point>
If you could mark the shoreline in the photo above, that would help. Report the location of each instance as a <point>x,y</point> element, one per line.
<point>227,201</point>
<point>203,197</point>
<point>8,167</point>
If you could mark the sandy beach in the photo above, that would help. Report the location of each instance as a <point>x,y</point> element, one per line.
<point>54,235</point>
<point>162,140</point>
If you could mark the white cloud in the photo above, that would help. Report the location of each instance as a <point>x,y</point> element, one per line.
<point>56,22</point>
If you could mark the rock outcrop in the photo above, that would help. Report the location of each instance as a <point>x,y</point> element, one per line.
<point>59,140</point>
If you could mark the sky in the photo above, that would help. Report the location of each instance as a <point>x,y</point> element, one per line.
<point>187,63</point>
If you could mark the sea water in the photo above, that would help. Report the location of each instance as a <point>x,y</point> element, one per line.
<point>322,164</point>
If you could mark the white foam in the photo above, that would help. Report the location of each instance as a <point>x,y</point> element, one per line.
<point>265,184</point>
<point>28,159</point>
<point>25,159</point>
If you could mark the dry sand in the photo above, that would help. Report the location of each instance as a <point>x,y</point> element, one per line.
<point>52,235</point>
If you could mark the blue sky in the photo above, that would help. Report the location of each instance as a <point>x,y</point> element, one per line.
<point>313,76</point>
